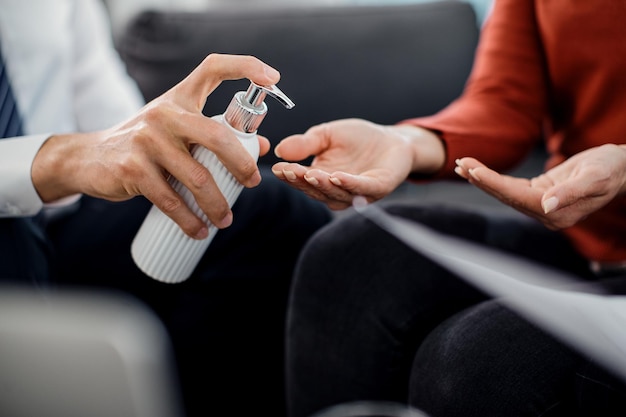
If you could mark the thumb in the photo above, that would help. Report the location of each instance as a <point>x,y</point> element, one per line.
<point>301,146</point>
<point>549,202</point>
<point>560,195</point>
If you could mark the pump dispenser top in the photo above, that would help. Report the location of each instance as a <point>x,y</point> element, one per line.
<point>247,108</point>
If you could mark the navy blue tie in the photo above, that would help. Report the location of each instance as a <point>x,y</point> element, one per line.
<point>10,121</point>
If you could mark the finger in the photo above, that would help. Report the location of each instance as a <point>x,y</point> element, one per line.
<point>463,165</point>
<point>196,178</point>
<point>367,185</point>
<point>515,192</point>
<point>577,190</point>
<point>289,171</point>
<point>216,68</point>
<point>182,164</point>
<point>221,140</point>
<point>143,173</point>
<point>264,145</point>
<point>301,146</point>
<point>308,189</point>
<point>321,181</point>
<point>163,196</point>
<point>592,182</point>
<point>296,176</point>
<point>559,215</point>
<point>468,163</point>
<point>293,174</point>
<point>496,185</point>
<point>461,172</point>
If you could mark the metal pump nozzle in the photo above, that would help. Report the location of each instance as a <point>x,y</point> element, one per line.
<point>247,109</point>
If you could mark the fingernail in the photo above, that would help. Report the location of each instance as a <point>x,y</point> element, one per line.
<point>550,204</point>
<point>290,175</point>
<point>272,73</point>
<point>459,171</point>
<point>335,181</point>
<point>311,180</point>
<point>277,152</point>
<point>226,221</point>
<point>458,162</point>
<point>472,172</point>
<point>278,173</point>
<point>202,233</point>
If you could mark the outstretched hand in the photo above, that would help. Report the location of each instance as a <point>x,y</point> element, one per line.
<point>354,157</point>
<point>562,196</point>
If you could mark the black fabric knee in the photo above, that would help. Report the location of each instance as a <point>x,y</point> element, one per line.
<point>360,304</point>
<point>488,361</point>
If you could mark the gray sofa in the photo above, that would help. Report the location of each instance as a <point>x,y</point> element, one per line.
<point>382,63</point>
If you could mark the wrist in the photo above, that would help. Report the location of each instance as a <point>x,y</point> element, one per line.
<point>55,167</point>
<point>427,149</point>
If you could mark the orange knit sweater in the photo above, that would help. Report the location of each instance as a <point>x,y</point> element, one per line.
<point>552,70</point>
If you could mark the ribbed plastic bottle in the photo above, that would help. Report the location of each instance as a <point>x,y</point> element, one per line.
<point>160,248</point>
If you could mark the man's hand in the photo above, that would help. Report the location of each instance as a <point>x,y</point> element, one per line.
<point>562,196</point>
<point>137,156</point>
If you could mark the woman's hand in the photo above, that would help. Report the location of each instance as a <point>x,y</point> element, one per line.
<point>354,157</point>
<point>562,196</point>
<point>137,156</point>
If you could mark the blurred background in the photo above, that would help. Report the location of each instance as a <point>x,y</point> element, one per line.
<point>122,11</point>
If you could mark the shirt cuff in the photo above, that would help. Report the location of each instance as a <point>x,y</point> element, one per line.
<point>18,197</point>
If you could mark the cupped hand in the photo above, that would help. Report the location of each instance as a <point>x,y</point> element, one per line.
<point>139,155</point>
<point>352,157</point>
<point>562,196</point>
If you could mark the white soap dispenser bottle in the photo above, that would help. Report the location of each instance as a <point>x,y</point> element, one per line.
<point>160,248</point>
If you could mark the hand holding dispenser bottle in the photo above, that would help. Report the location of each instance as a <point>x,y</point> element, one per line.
<point>160,248</point>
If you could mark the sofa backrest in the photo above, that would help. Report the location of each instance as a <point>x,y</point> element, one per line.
<point>381,63</point>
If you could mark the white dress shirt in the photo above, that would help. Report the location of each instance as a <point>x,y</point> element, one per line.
<point>66,77</point>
